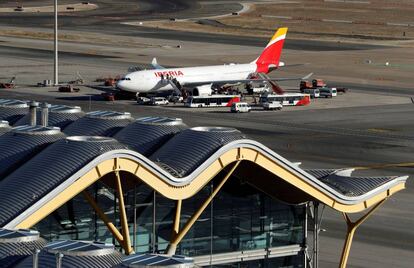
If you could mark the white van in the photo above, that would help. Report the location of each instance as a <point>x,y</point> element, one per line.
<point>158,101</point>
<point>272,105</point>
<point>240,107</point>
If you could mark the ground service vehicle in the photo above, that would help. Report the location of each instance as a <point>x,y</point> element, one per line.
<point>159,101</point>
<point>108,96</point>
<point>305,84</point>
<point>240,107</point>
<point>8,85</point>
<point>313,92</point>
<point>287,99</point>
<point>175,98</point>
<point>68,88</point>
<point>341,89</point>
<point>327,92</point>
<point>273,105</point>
<point>212,101</point>
<point>143,100</point>
<point>318,83</point>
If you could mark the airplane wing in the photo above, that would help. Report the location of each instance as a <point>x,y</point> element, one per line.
<point>155,64</point>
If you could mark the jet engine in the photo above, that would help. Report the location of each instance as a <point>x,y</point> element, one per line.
<point>203,90</point>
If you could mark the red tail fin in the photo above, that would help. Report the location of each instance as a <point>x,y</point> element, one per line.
<point>269,59</point>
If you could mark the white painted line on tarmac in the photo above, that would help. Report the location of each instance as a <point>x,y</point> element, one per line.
<point>339,21</point>
<point>348,1</point>
<point>398,24</point>
<point>277,17</point>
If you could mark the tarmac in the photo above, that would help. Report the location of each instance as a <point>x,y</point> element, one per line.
<point>372,125</point>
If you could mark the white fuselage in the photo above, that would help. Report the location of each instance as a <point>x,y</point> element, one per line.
<point>154,80</point>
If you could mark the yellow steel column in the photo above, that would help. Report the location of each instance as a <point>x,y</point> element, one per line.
<point>104,218</point>
<point>122,213</point>
<point>351,228</point>
<point>180,235</point>
<point>176,227</point>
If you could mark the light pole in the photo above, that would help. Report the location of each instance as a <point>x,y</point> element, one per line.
<point>56,70</point>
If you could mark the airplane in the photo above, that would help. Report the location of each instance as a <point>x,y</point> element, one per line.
<point>200,79</point>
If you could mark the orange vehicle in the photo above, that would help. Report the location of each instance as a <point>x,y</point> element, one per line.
<point>68,88</point>
<point>10,84</point>
<point>305,84</point>
<point>318,83</point>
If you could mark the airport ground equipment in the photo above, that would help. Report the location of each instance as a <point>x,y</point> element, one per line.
<point>273,105</point>
<point>10,84</point>
<point>68,88</point>
<point>108,96</point>
<point>240,107</point>
<point>111,81</point>
<point>315,83</point>
<point>306,86</point>
<point>313,92</point>
<point>287,99</point>
<point>211,101</point>
<point>318,83</point>
<point>179,169</point>
<point>118,95</point>
<point>327,92</point>
<point>342,89</point>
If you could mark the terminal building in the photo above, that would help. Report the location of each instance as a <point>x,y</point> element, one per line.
<point>103,189</point>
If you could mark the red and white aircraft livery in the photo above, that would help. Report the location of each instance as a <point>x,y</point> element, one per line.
<point>200,79</point>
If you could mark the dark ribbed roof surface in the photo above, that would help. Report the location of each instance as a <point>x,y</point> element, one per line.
<point>26,141</point>
<point>190,148</point>
<point>16,244</point>
<point>59,116</point>
<point>76,254</point>
<point>4,127</point>
<point>12,110</point>
<point>187,149</point>
<point>47,170</point>
<point>320,173</point>
<point>354,186</point>
<point>147,134</point>
<point>99,123</point>
<point>151,260</point>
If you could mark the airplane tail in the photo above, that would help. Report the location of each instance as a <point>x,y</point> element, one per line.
<point>269,59</point>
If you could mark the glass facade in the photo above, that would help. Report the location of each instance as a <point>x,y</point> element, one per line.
<point>240,218</point>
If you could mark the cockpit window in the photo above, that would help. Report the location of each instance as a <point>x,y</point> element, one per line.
<point>125,79</point>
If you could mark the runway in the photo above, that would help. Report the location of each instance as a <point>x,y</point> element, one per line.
<point>324,137</point>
